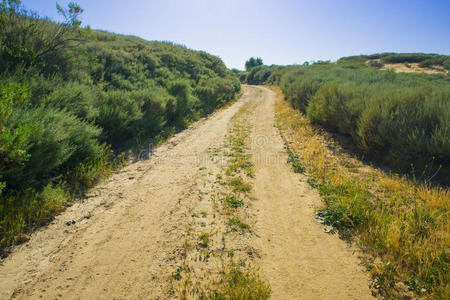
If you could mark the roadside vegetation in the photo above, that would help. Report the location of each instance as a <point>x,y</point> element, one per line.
<point>398,119</point>
<point>72,99</point>
<point>402,223</point>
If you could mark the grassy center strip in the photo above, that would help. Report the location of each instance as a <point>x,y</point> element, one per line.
<point>223,243</point>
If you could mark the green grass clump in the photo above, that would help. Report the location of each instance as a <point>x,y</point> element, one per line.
<point>238,223</point>
<point>239,185</point>
<point>295,162</point>
<point>237,284</point>
<point>232,201</point>
<point>21,212</point>
<point>204,239</point>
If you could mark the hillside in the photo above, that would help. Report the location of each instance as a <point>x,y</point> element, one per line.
<point>73,98</point>
<point>404,62</point>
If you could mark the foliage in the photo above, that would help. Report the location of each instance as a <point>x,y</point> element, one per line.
<point>400,119</point>
<point>29,42</point>
<point>236,284</point>
<point>253,62</point>
<point>404,223</point>
<point>72,98</point>
<point>378,60</point>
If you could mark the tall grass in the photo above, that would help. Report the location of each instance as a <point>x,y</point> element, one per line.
<point>396,118</point>
<point>403,223</point>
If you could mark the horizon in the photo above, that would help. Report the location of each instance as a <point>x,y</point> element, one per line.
<point>282,33</point>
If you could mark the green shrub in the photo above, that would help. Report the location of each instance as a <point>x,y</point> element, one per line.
<point>376,64</point>
<point>68,93</point>
<point>21,211</point>
<point>394,117</point>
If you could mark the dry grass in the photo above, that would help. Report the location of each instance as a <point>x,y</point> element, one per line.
<point>403,224</point>
<point>413,68</point>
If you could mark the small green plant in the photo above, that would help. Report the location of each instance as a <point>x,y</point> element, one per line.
<point>312,182</point>
<point>205,254</point>
<point>237,284</point>
<point>239,185</point>
<point>237,222</point>
<point>204,239</point>
<point>295,162</point>
<point>177,273</point>
<point>232,201</point>
<point>230,253</point>
<point>219,176</point>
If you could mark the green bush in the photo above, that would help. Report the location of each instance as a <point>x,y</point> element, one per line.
<point>398,118</point>
<point>72,99</point>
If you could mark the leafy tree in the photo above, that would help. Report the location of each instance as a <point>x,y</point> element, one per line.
<point>253,62</point>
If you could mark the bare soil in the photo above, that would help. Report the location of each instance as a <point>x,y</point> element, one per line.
<point>135,231</point>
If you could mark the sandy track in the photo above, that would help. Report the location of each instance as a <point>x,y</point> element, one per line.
<point>299,260</point>
<point>128,233</point>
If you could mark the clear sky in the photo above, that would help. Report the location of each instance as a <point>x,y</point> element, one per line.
<point>279,31</point>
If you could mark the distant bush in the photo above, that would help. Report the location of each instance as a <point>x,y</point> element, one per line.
<point>253,62</point>
<point>376,64</point>
<point>425,60</point>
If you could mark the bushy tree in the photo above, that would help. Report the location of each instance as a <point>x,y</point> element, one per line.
<point>253,62</point>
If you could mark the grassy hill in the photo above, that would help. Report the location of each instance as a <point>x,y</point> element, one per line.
<point>404,62</point>
<point>73,98</point>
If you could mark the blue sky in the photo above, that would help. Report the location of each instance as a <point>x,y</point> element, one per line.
<point>279,31</point>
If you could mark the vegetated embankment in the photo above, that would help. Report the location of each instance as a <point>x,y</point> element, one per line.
<point>72,99</point>
<point>397,119</point>
<point>402,223</point>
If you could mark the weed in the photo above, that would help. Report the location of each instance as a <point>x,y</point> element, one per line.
<point>205,255</point>
<point>237,222</point>
<point>236,284</point>
<point>204,239</point>
<point>313,183</point>
<point>239,185</point>
<point>232,201</point>
<point>230,253</point>
<point>295,162</point>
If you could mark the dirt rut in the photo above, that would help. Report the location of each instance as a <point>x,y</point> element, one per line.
<point>128,233</point>
<point>299,260</point>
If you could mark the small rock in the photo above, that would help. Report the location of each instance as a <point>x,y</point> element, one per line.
<point>70,222</point>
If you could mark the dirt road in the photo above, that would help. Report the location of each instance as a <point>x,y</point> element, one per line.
<point>135,232</point>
